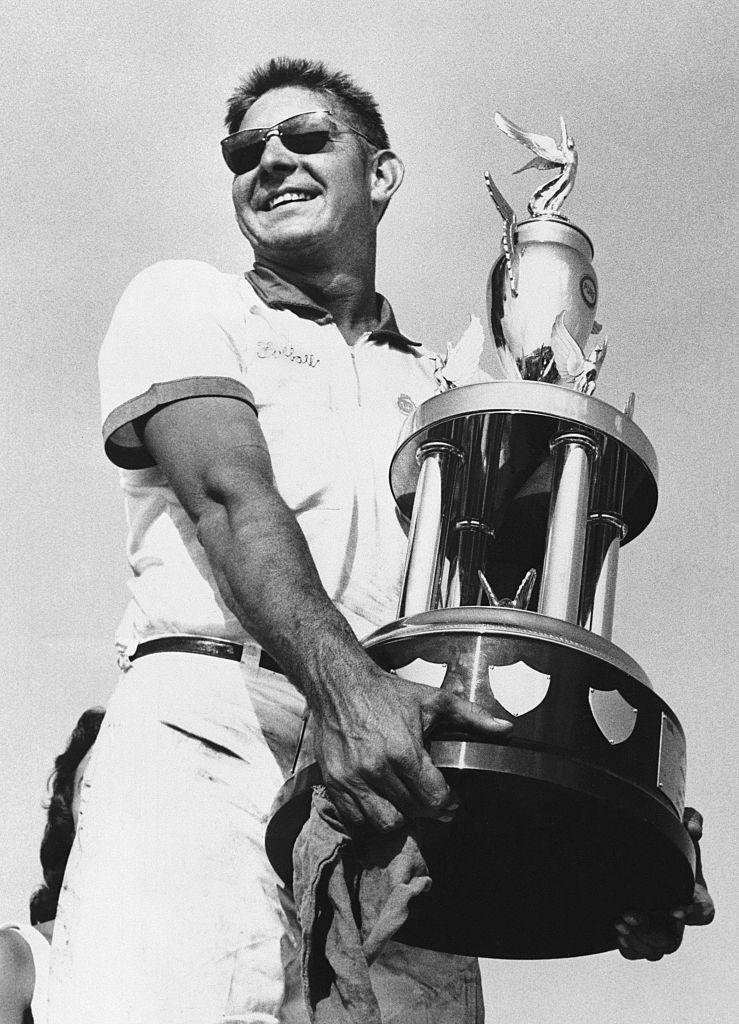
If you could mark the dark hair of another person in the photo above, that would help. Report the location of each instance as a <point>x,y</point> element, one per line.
<point>358,106</point>
<point>59,831</point>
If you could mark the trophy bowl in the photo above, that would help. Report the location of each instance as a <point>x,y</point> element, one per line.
<point>554,274</point>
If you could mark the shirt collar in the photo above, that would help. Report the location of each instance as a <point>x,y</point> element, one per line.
<point>302,300</point>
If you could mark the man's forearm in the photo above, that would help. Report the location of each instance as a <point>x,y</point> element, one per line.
<point>214,455</point>
<point>267,576</point>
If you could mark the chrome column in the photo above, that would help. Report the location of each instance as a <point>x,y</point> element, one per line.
<point>439,461</point>
<point>566,531</point>
<point>474,510</point>
<point>605,534</point>
<point>607,530</point>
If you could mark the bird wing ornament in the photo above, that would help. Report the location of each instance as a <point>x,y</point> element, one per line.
<point>506,211</point>
<point>548,155</point>
<point>462,361</point>
<point>575,369</point>
<point>596,356</point>
<point>523,594</point>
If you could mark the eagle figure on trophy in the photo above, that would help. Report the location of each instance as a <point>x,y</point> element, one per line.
<point>547,200</point>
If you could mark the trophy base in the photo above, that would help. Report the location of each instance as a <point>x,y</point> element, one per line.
<point>529,869</point>
<point>573,821</point>
<point>542,858</point>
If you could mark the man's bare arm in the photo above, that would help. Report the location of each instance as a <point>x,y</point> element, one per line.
<point>370,725</point>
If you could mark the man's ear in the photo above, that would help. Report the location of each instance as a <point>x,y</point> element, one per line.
<point>387,176</point>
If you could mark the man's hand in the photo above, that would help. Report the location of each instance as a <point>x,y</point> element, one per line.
<point>369,743</point>
<point>644,936</point>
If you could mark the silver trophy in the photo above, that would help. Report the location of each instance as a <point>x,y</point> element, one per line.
<point>520,494</point>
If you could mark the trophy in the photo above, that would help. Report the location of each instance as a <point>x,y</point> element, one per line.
<point>520,494</point>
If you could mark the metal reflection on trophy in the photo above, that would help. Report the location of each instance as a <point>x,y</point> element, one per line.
<point>520,494</point>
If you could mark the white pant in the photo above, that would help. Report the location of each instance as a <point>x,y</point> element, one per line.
<point>170,912</point>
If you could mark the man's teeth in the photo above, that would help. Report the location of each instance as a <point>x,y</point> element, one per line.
<point>287,197</point>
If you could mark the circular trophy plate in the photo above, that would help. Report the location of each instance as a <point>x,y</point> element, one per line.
<point>524,416</point>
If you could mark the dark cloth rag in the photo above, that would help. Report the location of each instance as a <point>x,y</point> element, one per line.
<point>350,903</point>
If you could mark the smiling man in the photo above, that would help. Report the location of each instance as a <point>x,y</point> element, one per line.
<point>253,418</point>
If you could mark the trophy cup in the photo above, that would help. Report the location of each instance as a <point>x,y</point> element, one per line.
<point>520,494</point>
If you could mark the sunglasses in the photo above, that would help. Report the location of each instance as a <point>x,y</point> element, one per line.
<point>301,133</point>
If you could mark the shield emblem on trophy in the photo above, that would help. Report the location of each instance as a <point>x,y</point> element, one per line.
<point>518,688</point>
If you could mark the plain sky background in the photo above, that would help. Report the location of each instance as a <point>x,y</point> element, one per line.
<point>110,161</point>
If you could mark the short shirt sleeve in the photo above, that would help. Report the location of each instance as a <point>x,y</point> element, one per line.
<point>171,337</point>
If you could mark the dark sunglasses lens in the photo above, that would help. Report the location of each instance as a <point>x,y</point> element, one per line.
<point>244,156</point>
<point>305,141</point>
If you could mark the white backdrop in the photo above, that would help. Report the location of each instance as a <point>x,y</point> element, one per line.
<point>110,162</point>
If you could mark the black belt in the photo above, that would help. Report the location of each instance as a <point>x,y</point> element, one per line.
<point>201,645</point>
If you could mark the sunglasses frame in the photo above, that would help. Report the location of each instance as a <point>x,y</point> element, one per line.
<point>274,131</point>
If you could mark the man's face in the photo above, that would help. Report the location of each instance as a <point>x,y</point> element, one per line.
<point>302,205</point>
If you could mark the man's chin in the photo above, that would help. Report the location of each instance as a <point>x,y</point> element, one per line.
<point>286,239</point>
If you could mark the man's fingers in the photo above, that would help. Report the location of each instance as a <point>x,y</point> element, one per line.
<point>449,709</point>
<point>434,798</point>
<point>700,912</point>
<point>365,811</point>
<point>415,787</point>
<point>649,946</point>
<point>648,937</point>
<point>693,822</point>
<point>417,791</point>
<point>381,795</point>
<point>348,810</point>
<point>633,949</point>
<point>381,800</point>
<point>626,951</point>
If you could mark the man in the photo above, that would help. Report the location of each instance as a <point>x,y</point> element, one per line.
<point>254,419</point>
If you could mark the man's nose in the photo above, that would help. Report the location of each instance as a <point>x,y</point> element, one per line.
<point>275,154</point>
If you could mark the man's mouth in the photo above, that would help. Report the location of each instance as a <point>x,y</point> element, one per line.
<point>283,198</point>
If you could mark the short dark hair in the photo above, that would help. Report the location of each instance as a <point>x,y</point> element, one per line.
<point>59,832</point>
<point>283,72</point>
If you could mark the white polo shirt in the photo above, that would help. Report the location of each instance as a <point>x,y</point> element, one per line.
<point>331,414</point>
